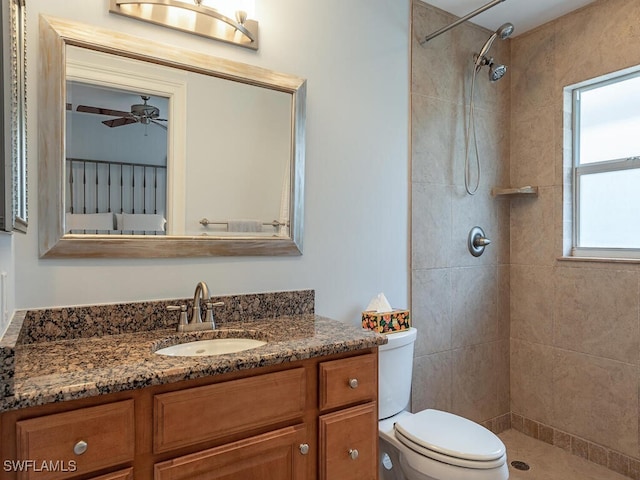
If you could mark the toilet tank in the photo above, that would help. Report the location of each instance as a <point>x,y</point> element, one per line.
<point>395,365</point>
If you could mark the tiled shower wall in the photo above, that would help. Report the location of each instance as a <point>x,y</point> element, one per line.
<point>575,335</point>
<point>573,364</point>
<point>460,303</point>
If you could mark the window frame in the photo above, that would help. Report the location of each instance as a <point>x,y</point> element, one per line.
<point>578,170</point>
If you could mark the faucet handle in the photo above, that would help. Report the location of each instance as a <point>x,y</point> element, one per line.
<point>209,313</point>
<point>183,313</point>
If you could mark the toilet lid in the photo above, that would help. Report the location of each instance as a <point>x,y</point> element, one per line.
<point>449,435</point>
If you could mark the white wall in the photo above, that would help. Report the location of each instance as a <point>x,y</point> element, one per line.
<point>7,265</point>
<point>355,55</point>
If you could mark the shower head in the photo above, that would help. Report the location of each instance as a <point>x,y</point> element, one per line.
<point>503,32</point>
<point>496,72</point>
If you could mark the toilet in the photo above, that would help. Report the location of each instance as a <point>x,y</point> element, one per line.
<point>431,444</point>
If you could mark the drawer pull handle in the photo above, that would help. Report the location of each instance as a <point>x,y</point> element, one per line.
<point>353,382</point>
<point>353,453</point>
<point>304,448</point>
<point>80,447</point>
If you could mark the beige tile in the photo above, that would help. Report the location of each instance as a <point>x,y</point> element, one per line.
<point>504,301</point>
<point>599,39</point>
<point>562,440</point>
<point>467,212</point>
<point>503,212</point>
<point>484,211</point>
<point>597,454</point>
<point>533,159</point>
<point>475,382</point>
<point>436,69</point>
<point>431,310</point>
<point>474,305</point>
<point>502,371</point>
<point>596,311</point>
<point>431,226</point>
<point>438,139</point>
<point>550,463</point>
<point>532,380</point>
<point>533,72</point>
<point>533,229</point>
<point>431,387</point>
<point>596,399</point>
<point>492,136</point>
<point>531,305</point>
<point>580,447</point>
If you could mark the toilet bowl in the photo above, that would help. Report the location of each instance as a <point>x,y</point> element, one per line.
<point>431,444</point>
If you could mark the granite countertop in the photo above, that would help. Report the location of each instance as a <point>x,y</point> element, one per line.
<point>59,370</point>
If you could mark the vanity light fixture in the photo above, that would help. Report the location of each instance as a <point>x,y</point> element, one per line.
<point>192,18</point>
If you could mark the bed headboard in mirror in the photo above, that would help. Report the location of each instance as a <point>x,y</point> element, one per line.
<point>210,157</point>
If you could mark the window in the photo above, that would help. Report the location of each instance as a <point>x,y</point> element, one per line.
<point>606,167</point>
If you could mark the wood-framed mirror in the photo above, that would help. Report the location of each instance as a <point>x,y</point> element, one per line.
<point>122,85</point>
<point>13,171</point>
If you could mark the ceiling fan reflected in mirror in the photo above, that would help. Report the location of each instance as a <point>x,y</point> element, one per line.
<point>140,113</point>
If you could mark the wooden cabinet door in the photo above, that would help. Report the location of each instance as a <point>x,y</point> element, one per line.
<point>275,455</point>
<point>187,417</point>
<point>106,433</point>
<point>349,444</point>
<point>348,381</point>
<point>126,474</point>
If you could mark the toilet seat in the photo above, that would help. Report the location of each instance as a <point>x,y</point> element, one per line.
<point>451,439</point>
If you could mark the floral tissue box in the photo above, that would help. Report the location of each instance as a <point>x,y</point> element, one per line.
<point>386,322</point>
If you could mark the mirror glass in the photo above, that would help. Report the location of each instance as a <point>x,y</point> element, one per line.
<point>13,97</point>
<point>164,146</point>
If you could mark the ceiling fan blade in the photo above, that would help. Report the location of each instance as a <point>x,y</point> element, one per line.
<point>159,124</point>
<point>101,111</point>
<point>118,122</point>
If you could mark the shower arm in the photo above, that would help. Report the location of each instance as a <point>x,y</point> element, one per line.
<point>461,20</point>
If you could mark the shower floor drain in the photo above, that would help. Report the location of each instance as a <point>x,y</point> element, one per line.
<point>518,465</point>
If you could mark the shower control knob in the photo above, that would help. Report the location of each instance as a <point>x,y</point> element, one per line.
<point>353,382</point>
<point>477,241</point>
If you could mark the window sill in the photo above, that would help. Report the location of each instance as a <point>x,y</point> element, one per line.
<point>599,260</point>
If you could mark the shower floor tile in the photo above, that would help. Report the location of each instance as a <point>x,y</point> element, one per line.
<point>547,462</point>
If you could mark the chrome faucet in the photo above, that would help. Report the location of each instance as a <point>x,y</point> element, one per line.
<point>197,323</point>
<point>202,291</point>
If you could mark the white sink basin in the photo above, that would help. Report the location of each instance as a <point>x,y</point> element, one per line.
<point>217,346</point>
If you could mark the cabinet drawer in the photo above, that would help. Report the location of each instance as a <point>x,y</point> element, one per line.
<point>273,455</point>
<point>107,431</point>
<point>187,417</point>
<point>348,381</point>
<point>126,474</point>
<point>349,444</point>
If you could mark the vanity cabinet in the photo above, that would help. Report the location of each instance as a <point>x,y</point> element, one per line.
<point>191,416</point>
<point>273,456</point>
<point>76,442</point>
<point>349,436</point>
<point>126,474</point>
<point>348,443</point>
<point>313,419</point>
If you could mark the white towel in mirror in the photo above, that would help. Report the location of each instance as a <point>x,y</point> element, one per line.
<point>143,222</point>
<point>89,221</point>
<point>244,225</point>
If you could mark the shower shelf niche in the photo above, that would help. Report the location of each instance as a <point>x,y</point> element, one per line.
<point>515,191</point>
